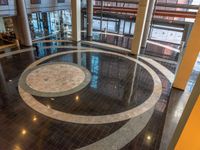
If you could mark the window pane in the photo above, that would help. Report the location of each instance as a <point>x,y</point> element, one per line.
<point>96,24</point>
<point>61,1</point>
<point>35,1</point>
<point>127,27</point>
<point>3,2</point>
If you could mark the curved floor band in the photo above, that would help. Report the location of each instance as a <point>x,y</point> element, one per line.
<point>55,114</point>
<point>107,140</point>
<point>122,136</point>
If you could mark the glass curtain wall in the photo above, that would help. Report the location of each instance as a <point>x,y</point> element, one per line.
<point>104,23</point>
<point>183,2</point>
<point>47,23</point>
<point>121,22</point>
<point>171,34</point>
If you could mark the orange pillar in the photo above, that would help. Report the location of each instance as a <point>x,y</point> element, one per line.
<point>190,56</point>
<point>189,139</point>
<point>188,128</point>
<point>139,26</point>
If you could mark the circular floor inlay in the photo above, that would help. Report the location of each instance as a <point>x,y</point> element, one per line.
<point>81,119</point>
<point>56,79</point>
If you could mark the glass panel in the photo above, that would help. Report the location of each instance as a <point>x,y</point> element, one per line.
<point>111,26</point>
<point>121,29</point>
<point>127,27</point>
<point>46,23</point>
<point>132,28</point>
<point>104,25</point>
<point>61,1</point>
<point>35,1</point>
<point>166,35</point>
<point>3,2</point>
<point>96,24</point>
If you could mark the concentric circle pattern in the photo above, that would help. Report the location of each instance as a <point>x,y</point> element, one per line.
<point>71,86</point>
<point>101,119</point>
<point>55,79</point>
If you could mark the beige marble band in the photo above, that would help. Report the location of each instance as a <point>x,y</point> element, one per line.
<point>166,72</point>
<point>122,136</point>
<point>55,114</point>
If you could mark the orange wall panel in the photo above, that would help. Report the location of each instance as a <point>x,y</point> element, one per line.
<point>190,137</point>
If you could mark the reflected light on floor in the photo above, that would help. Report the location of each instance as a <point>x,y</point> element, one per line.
<point>52,99</point>
<point>23,132</point>
<point>148,137</point>
<point>17,147</point>
<point>77,98</point>
<point>34,118</point>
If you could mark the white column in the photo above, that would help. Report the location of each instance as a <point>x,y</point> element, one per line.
<point>139,26</point>
<point>21,24</point>
<point>76,20</point>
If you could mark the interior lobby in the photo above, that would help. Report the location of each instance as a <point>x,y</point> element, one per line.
<point>99,74</point>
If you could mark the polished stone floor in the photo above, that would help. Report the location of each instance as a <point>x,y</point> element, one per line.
<point>117,85</point>
<point>109,92</point>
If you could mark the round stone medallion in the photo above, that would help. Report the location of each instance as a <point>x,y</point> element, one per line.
<point>101,119</point>
<point>56,79</point>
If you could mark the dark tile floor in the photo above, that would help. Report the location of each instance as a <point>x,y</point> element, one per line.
<point>109,91</point>
<point>23,128</point>
<point>41,133</point>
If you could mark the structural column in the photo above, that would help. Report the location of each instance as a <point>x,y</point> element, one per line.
<point>89,18</point>
<point>21,24</point>
<point>189,57</point>
<point>139,26</point>
<point>76,20</point>
<point>148,22</point>
<point>191,106</point>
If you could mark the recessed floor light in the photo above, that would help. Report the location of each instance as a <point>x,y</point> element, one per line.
<point>52,99</point>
